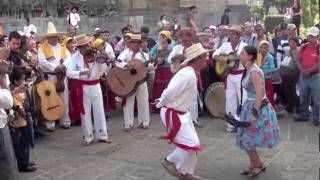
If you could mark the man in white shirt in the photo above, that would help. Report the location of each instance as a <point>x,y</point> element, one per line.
<point>52,55</point>
<point>233,83</point>
<point>222,36</point>
<point>249,36</point>
<point>29,29</point>
<point>175,102</point>
<point>86,72</point>
<point>105,36</point>
<point>8,163</point>
<point>74,18</point>
<point>134,52</point>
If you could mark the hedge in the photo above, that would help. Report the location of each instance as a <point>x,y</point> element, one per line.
<point>271,21</point>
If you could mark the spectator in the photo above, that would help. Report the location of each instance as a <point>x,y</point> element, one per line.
<point>163,24</point>
<point>145,34</point>
<point>261,35</point>
<point>121,44</point>
<point>74,18</point>
<point>222,36</point>
<point>2,37</point>
<point>9,169</point>
<point>290,74</point>
<point>309,86</point>
<point>213,29</point>
<point>296,14</point>
<point>266,63</point>
<point>175,27</point>
<point>29,29</point>
<point>225,17</point>
<point>249,37</point>
<point>191,23</point>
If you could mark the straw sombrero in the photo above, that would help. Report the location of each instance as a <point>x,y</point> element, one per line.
<point>235,28</point>
<point>52,31</point>
<point>82,39</point>
<point>189,31</point>
<point>193,52</point>
<point>135,37</point>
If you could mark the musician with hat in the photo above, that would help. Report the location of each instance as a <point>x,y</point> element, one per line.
<point>53,56</point>
<point>134,52</point>
<point>86,69</point>
<point>175,103</point>
<point>233,82</point>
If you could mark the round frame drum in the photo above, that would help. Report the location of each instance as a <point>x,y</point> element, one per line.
<point>215,99</point>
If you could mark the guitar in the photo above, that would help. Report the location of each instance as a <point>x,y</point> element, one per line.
<point>124,82</point>
<point>50,104</point>
<point>226,63</point>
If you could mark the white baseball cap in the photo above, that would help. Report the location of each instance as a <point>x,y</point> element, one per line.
<point>213,27</point>
<point>97,29</point>
<point>314,31</point>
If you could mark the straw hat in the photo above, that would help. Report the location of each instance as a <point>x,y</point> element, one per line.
<point>67,40</point>
<point>263,42</point>
<point>189,31</point>
<point>235,28</point>
<point>135,37</point>
<point>82,39</point>
<point>52,31</point>
<point>193,52</point>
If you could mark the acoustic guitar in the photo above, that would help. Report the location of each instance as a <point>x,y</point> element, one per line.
<point>50,104</point>
<point>124,82</point>
<point>225,63</point>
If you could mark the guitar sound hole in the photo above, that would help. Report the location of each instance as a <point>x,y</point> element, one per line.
<point>47,93</point>
<point>133,71</point>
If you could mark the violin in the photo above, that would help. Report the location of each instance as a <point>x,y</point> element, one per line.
<point>96,56</point>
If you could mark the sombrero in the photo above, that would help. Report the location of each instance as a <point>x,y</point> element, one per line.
<point>82,40</point>
<point>193,52</point>
<point>189,31</point>
<point>52,31</point>
<point>235,28</point>
<point>135,37</point>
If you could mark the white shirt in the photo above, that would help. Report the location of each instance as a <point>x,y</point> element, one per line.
<point>109,51</point>
<point>50,65</point>
<point>176,50</point>
<point>181,91</point>
<point>74,19</point>
<point>28,29</point>
<point>77,64</point>
<point>6,102</point>
<point>226,49</point>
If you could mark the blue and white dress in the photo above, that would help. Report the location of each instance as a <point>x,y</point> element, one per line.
<point>265,133</point>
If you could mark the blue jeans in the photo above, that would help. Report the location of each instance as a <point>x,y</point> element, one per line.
<point>310,89</point>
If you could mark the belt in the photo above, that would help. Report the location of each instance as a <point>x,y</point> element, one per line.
<point>236,72</point>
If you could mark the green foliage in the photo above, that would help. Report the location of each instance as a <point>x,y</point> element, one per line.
<point>310,9</point>
<point>258,10</point>
<point>271,21</point>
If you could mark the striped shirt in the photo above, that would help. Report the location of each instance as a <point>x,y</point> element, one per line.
<point>283,47</point>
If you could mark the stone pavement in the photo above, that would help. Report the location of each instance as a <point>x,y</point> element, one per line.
<point>136,155</point>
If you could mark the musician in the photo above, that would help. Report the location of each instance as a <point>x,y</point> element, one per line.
<point>86,71</point>
<point>163,74</point>
<point>14,45</point>
<point>134,52</point>
<point>51,56</point>
<point>8,164</point>
<point>175,102</point>
<point>187,37</point>
<point>233,93</point>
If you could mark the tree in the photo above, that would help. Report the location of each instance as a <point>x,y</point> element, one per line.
<point>310,9</point>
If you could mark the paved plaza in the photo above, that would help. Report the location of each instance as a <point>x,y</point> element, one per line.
<point>137,155</point>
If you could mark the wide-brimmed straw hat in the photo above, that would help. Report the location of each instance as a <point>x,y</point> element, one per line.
<point>193,52</point>
<point>135,37</point>
<point>189,31</point>
<point>235,28</point>
<point>166,34</point>
<point>52,31</point>
<point>82,40</point>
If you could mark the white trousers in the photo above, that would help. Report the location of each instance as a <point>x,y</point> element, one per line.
<point>143,107</point>
<point>92,100</point>
<point>233,94</point>
<point>185,161</point>
<point>65,120</point>
<point>194,110</point>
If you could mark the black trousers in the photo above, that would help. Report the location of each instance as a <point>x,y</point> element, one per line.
<point>21,146</point>
<point>8,163</point>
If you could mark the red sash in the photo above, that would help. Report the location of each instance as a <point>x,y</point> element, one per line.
<point>174,128</point>
<point>79,109</point>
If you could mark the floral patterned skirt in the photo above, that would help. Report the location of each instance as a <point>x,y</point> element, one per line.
<point>264,134</point>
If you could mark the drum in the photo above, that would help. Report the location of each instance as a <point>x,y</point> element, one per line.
<point>215,99</point>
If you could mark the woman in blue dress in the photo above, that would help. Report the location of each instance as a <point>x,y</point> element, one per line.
<point>264,130</point>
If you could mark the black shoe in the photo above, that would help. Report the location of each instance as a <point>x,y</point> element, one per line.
<point>32,163</point>
<point>316,123</point>
<point>28,169</point>
<point>38,134</point>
